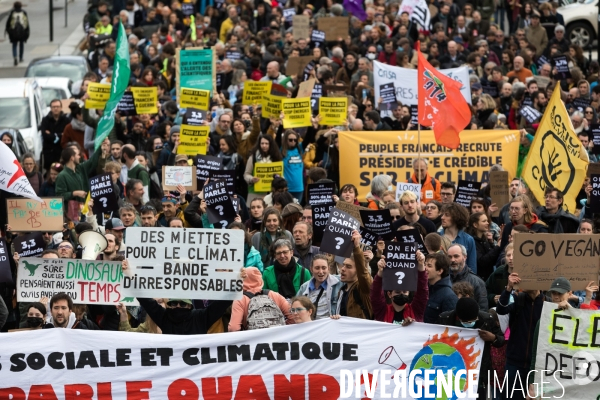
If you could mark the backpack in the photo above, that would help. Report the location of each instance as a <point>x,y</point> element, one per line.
<point>155,190</point>
<point>19,25</point>
<point>263,312</point>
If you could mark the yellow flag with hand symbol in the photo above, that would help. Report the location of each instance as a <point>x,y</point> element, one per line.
<point>556,157</point>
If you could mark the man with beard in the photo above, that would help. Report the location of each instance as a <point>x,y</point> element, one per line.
<point>136,170</point>
<point>72,181</point>
<point>137,136</point>
<point>350,67</point>
<point>506,98</point>
<point>409,203</point>
<point>61,307</point>
<point>517,187</point>
<point>557,219</point>
<point>135,193</point>
<point>179,318</point>
<point>395,121</point>
<point>149,216</point>
<point>112,248</point>
<point>460,272</point>
<point>304,251</point>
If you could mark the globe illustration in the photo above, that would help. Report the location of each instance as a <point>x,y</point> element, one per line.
<point>438,357</point>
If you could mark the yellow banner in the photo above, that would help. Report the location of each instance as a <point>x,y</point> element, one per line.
<point>253,91</point>
<point>387,152</point>
<point>265,172</point>
<point>98,95</point>
<point>555,157</point>
<point>271,105</point>
<point>297,113</point>
<point>195,98</point>
<point>192,140</point>
<point>333,110</point>
<point>145,100</point>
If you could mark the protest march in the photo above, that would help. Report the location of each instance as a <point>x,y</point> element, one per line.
<point>360,199</point>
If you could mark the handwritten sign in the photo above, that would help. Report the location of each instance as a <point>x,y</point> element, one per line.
<point>402,187</point>
<point>499,189</point>
<point>179,175</point>
<point>541,258</point>
<point>301,25</point>
<point>26,215</point>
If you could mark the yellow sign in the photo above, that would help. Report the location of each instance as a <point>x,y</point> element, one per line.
<point>386,152</point>
<point>192,140</point>
<point>271,105</point>
<point>253,91</point>
<point>265,172</point>
<point>195,98</point>
<point>98,95</point>
<point>333,110</point>
<point>145,100</point>
<point>556,157</point>
<point>297,113</point>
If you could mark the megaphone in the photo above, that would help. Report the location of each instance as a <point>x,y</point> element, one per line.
<point>93,243</point>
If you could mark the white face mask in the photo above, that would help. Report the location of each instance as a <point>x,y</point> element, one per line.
<point>371,56</point>
<point>390,187</point>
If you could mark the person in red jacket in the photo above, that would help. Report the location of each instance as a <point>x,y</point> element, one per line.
<point>590,304</point>
<point>388,55</point>
<point>400,310</point>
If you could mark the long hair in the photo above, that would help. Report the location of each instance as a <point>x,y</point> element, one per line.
<point>528,217</point>
<point>273,152</point>
<point>231,143</point>
<point>473,219</point>
<point>284,142</point>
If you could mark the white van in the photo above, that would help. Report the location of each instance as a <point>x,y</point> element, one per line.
<point>22,107</point>
<point>54,88</point>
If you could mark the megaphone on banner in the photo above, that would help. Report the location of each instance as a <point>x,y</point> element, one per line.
<point>93,243</point>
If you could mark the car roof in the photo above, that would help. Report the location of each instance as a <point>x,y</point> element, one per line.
<point>64,59</point>
<point>53,81</point>
<point>17,87</point>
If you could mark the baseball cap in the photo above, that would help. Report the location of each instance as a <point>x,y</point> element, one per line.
<point>325,60</point>
<point>181,157</point>
<point>114,224</point>
<point>476,86</point>
<point>535,15</point>
<point>560,285</point>
<point>186,301</point>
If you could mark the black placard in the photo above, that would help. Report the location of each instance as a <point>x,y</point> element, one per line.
<point>194,117</point>
<point>219,78</point>
<point>320,216</point>
<point>337,238</point>
<point>314,97</point>
<point>126,105</point>
<point>236,204</point>
<point>228,176</point>
<point>400,271</point>
<point>5,272</point>
<point>465,191</point>
<point>411,236</point>
<point>595,194</point>
<point>581,104</point>
<point>530,114</point>
<point>562,67</point>
<point>367,237</point>
<point>106,202</point>
<point>317,38</point>
<point>490,88</point>
<point>233,55</point>
<point>30,245</point>
<point>527,101</point>
<point>218,203</point>
<point>187,9</point>
<point>387,92</point>
<point>595,137</point>
<point>320,193</point>
<point>414,114</point>
<point>205,164</point>
<point>543,60</point>
<point>379,222</point>
<point>307,69</point>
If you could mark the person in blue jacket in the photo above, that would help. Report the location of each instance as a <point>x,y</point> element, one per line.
<point>454,220</point>
<point>293,167</point>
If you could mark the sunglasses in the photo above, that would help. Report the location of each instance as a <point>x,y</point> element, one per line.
<point>292,140</point>
<point>147,208</point>
<point>395,217</point>
<point>174,304</point>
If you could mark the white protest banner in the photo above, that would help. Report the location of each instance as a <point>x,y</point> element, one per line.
<point>85,281</point>
<point>568,354</point>
<point>418,11</point>
<point>402,187</point>
<point>313,361</point>
<point>405,81</point>
<point>12,176</point>
<point>184,263</point>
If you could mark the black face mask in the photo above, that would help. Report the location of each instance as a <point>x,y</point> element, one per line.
<point>400,299</point>
<point>34,322</point>
<point>178,314</point>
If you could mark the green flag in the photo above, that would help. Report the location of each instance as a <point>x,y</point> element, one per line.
<point>120,81</point>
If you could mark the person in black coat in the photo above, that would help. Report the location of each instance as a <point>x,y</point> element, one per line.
<point>487,252</point>
<point>17,27</point>
<point>53,126</point>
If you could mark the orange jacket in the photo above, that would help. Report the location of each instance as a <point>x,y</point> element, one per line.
<point>430,188</point>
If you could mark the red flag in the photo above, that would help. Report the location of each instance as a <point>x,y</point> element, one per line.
<point>441,104</point>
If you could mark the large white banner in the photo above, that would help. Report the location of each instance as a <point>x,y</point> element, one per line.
<point>303,361</point>
<point>184,263</point>
<point>405,81</point>
<point>568,354</point>
<point>12,176</point>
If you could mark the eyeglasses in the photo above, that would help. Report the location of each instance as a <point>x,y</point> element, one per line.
<point>587,112</point>
<point>174,304</point>
<point>292,140</point>
<point>282,253</point>
<point>395,217</point>
<point>430,207</point>
<point>65,247</point>
<point>297,310</point>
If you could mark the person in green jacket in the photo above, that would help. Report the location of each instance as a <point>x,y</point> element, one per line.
<point>72,182</point>
<point>285,276</point>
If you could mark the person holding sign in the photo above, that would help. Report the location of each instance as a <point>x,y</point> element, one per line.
<point>293,167</point>
<point>265,151</point>
<point>72,182</point>
<point>405,307</point>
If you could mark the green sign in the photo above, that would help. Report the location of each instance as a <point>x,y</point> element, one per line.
<point>196,69</point>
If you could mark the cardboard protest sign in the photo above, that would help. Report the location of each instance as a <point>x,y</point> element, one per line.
<point>411,236</point>
<point>351,209</point>
<point>176,175</point>
<point>184,264</point>
<point>465,191</point>
<point>320,193</point>
<point>296,113</point>
<point>317,38</point>
<point>227,176</point>
<point>30,245</point>
<point>561,65</point>
<point>305,89</point>
<point>296,65</point>
<point>145,99</point>
<point>195,69</point>
<point>400,271</point>
<point>5,270</point>
<point>196,98</point>
<point>25,215</point>
<point>194,117</point>
<point>379,222</point>
<point>320,216</point>
<point>205,164</point>
<point>271,105</point>
<point>402,187</point>
<point>333,110</point>
<point>301,25</point>
<point>334,27</point>
<point>265,172</point>
<point>367,237</point>
<point>540,258</point>
<point>85,281</point>
<point>595,194</point>
<point>337,238</point>
<point>595,137</point>
<point>105,198</point>
<point>218,203</point>
<point>499,189</point>
<point>193,139</point>
<point>98,95</point>
<point>593,168</point>
<point>253,92</point>
<point>126,105</point>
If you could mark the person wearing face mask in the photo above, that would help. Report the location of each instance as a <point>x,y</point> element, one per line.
<point>468,315</point>
<point>36,317</point>
<point>404,307</point>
